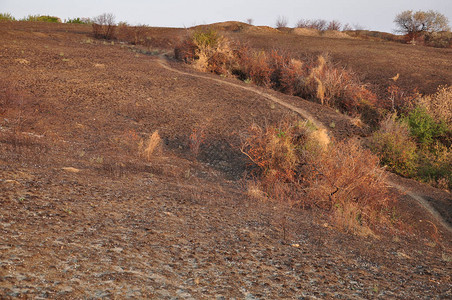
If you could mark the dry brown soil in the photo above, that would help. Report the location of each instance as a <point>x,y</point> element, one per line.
<point>84,216</point>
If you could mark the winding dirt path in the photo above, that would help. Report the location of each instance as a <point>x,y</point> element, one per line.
<point>306,115</point>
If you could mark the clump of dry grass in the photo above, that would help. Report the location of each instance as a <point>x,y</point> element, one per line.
<point>151,146</point>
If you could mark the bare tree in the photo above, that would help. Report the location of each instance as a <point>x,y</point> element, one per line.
<point>249,21</point>
<point>281,22</point>
<point>413,23</point>
<point>104,26</point>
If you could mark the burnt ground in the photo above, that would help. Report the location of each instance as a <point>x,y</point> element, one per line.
<point>83,215</point>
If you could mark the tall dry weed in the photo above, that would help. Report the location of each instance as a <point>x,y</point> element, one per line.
<point>151,146</point>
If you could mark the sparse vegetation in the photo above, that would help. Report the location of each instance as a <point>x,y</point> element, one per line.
<point>6,17</point>
<point>319,81</point>
<point>320,24</point>
<point>40,18</point>
<point>78,21</point>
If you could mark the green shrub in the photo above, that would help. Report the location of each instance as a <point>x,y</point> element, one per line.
<point>395,147</point>
<point>435,166</point>
<point>6,17</point>
<point>424,128</point>
<point>78,21</point>
<point>39,18</point>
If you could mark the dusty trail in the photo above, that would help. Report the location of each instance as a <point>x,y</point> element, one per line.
<point>303,113</point>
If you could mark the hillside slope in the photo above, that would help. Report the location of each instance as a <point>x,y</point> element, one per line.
<point>85,215</point>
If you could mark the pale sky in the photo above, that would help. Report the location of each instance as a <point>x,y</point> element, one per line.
<point>372,15</point>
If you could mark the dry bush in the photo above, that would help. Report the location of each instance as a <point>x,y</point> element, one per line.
<point>318,24</point>
<point>348,181</point>
<point>439,104</point>
<point>334,25</point>
<point>342,178</point>
<point>254,66</point>
<point>186,51</point>
<point>136,35</point>
<point>337,87</point>
<point>292,79</point>
<point>399,100</point>
<point>277,151</point>
<point>104,26</point>
<point>208,51</point>
<point>321,80</point>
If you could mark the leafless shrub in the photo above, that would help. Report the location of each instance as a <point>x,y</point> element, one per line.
<point>347,27</point>
<point>281,22</point>
<point>104,26</point>
<point>249,21</point>
<point>334,25</point>
<point>318,24</point>
<point>303,23</point>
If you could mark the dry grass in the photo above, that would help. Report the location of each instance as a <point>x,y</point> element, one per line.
<point>151,146</point>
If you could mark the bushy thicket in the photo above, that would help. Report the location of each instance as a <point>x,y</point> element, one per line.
<point>414,142</point>
<point>341,178</point>
<point>40,18</point>
<point>319,80</point>
<point>418,142</point>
